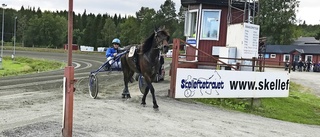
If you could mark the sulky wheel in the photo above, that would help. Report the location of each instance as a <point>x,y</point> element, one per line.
<point>93,86</point>
<point>142,84</point>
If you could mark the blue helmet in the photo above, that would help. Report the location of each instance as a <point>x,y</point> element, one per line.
<point>116,40</point>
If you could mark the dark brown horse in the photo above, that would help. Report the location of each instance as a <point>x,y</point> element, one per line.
<point>147,63</point>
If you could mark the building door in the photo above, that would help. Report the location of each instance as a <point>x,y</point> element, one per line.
<point>296,58</point>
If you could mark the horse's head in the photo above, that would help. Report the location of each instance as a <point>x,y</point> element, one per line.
<point>162,38</point>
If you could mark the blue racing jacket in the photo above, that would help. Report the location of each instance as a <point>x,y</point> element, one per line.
<point>110,52</point>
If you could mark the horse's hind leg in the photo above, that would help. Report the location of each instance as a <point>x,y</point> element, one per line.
<point>125,92</point>
<point>126,78</point>
<point>127,74</point>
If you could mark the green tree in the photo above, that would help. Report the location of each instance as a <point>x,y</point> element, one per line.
<point>9,16</point>
<point>88,35</point>
<point>99,27</point>
<point>146,18</point>
<point>77,36</point>
<point>109,32</point>
<point>277,19</point>
<point>318,35</point>
<point>83,20</point>
<point>21,28</point>
<point>129,31</point>
<point>31,34</point>
<point>167,16</point>
<point>179,31</point>
<point>47,31</point>
<point>309,30</point>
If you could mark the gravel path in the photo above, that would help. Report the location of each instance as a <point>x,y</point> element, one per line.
<point>310,80</point>
<point>36,111</point>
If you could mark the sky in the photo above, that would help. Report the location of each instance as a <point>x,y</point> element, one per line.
<point>308,11</point>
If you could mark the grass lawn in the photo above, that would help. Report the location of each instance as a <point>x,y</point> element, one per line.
<point>23,65</point>
<point>300,107</point>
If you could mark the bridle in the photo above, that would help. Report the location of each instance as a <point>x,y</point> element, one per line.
<point>160,41</point>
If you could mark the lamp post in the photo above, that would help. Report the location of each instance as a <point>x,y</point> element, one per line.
<point>14,38</point>
<point>3,5</point>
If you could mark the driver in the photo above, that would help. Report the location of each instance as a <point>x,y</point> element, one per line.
<point>112,52</point>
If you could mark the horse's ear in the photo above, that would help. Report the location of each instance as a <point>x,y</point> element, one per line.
<point>155,32</point>
<point>156,28</point>
<point>163,27</point>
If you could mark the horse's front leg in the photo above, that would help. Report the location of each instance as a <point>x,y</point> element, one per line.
<point>125,92</point>
<point>155,105</point>
<point>150,87</point>
<point>143,102</point>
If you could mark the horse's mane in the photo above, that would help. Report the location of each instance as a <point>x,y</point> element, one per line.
<point>146,46</point>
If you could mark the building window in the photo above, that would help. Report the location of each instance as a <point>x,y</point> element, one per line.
<point>210,25</point>
<point>308,58</point>
<point>266,56</point>
<point>286,57</point>
<point>273,56</point>
<point>190,29</point>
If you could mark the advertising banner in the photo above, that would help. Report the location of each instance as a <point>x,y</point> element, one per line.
<point>205,83</point>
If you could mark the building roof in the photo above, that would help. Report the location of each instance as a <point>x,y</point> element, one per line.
<point>286,49</point>
<point>306,40</point>
<point>299,50</point>
<point>236,3</point>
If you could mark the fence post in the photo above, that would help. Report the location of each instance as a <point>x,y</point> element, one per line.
<point>260,64</point>
<point>238,66</point>
<point>253,63</point>
<point>174,66</point>
<point>255,101</point>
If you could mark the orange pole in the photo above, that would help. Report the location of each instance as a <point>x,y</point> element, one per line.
<point>69,74</point>
<point>174,66</point>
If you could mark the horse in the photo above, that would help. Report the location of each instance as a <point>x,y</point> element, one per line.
<point>146,62</point>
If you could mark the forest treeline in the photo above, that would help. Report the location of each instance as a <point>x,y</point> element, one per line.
<point>37,28</point>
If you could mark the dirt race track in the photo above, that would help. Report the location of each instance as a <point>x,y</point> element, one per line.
<point>31,106</point>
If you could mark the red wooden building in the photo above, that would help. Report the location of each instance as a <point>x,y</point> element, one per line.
<point>206,23</point>
<point>212,25</point>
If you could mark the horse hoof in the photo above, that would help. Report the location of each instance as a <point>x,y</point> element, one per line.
<point>156,109</point>
<point>128,96</point>
<point>143,104</point>
<point>123,96</point>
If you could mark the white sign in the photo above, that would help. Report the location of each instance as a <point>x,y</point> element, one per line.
<point>192,42</point>
<point>101,49</point>
<point>251,41</point>
<point>205,83</point>
<point>86,48</point>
